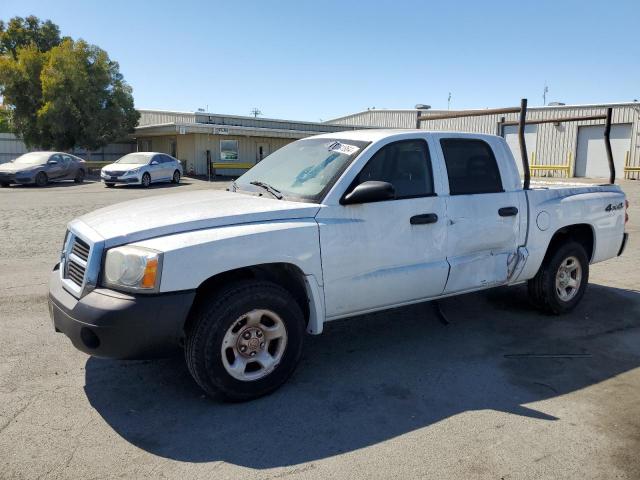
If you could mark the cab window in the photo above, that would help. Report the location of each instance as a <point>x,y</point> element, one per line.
<point>405,164</point>
<point>471,166</point>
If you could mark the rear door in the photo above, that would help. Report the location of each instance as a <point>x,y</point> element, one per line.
<point>380,254</point>
<point>482,218</point>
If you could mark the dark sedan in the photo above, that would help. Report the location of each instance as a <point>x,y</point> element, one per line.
<point>41,168</point>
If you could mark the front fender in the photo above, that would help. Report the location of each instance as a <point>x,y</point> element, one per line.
<point>190,258</point>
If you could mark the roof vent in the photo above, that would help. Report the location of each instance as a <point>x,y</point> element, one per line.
<point>556,104</point>
<point>422,106</point>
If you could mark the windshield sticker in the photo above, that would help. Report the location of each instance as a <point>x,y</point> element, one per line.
<point>343,148</point>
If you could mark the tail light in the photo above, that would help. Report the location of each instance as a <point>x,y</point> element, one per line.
<point>626,213</point>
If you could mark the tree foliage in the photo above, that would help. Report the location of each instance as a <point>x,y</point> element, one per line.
<point>62,93</point>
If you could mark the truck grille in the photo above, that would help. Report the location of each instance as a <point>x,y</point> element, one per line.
<point>75,272</point>
<point>77,260</point>
<point>80,249</point>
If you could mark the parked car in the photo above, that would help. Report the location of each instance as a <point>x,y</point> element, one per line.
<point>142,168</point>
<point>41,168</point>
<point>325,228</point>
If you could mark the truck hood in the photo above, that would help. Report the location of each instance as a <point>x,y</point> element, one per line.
<point>161,215</point>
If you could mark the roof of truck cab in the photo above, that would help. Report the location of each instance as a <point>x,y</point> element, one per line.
<point>373,135</point>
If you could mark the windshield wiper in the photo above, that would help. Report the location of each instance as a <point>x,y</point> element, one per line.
<point>272,190</point>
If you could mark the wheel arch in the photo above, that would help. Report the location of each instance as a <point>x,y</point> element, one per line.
<point>287,275</point>
<point>583,233</point>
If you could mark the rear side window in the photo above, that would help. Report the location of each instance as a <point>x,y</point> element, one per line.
<point>471,166</point>
<point>405,164</point>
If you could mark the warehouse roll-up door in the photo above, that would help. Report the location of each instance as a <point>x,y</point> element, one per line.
<point>530,139</point>
<point>591,159</point>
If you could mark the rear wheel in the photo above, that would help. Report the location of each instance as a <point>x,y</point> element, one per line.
<point>561,281</point>
<point>176,177</point>
<point>79,176</point>
<point>146,180</point>
<point>42,179</point>
<point>246,341</point>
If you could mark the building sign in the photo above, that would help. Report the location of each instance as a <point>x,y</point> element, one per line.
<point>221,131</point>
<point>228,150</point>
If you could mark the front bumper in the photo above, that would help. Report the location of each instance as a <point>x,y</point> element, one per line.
<point>110,324</point>
<point>11,178</point>
<point>128,179</point>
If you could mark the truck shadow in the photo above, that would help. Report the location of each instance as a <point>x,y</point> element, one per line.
<point>369,379</point>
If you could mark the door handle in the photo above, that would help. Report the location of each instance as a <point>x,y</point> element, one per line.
<point>424,219</point>
<point>508,211</point>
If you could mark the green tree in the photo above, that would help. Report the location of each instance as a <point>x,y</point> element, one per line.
<point>22,32</point>
<point>62,93</point>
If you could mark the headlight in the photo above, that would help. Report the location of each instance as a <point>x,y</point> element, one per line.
<point>132,268</point>
<point>131,172</point>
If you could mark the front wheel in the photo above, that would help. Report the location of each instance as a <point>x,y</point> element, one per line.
<point>146,180</point>
<point>4,185</point>
<point>176,177</point>
<point>245,341</point>
<point>41,179</point>
<point>561,281</point>
<point>109,185</point>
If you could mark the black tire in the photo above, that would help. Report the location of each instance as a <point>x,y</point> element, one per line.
<point>4,185</point>
<point>176,177</point>
<point>79,176</point>
<point>146,180</point>
<point>215,316</point>
<point>42,179</point>
<point>542,288</point>
<point>109,185</point>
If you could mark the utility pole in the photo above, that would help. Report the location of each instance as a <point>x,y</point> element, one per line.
<point>255,112</point>
<point>449,101</point>
<point>544,93</point>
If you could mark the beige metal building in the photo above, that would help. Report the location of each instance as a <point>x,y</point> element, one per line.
<point>572,149</point>
<point>230,143</point>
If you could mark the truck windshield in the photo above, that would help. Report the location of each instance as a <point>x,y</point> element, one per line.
<point>304,169</point>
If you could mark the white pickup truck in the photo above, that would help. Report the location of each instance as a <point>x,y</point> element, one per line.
<point>325,228</point>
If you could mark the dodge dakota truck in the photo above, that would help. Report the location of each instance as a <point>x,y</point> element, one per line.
<point>325,228</point>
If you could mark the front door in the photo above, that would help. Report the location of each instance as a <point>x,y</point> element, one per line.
<point>381,254</point>
<point>483,221</point>
<point>55,167</point>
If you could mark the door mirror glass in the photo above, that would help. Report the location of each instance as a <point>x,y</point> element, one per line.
<point>52,162</point>
<point>154,162</point>
<point>371,191</point>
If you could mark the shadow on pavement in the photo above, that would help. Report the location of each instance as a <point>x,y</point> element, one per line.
<point>369,379</point>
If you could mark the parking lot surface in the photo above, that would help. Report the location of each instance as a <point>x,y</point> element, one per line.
<point>501,392</point>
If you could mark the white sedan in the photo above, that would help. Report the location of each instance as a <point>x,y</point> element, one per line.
<point>142,168</point>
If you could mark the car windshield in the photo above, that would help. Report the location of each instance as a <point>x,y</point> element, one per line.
<point>303,169</point>
<point>33,158</point>
<point>135,158</point>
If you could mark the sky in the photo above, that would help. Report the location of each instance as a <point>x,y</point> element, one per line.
<point>317,60</point>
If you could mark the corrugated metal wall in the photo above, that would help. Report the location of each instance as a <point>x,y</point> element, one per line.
<point>157,117</point>
<point>12,147</point>
<point>555,145</point>
<point>379,118</point>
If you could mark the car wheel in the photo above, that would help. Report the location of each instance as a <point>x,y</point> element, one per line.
<point>561,281</point>
<point>146,180</point>
<point>176,177</point>
<point>246,341</point>
<point>41,179</point>
<point>79,176</point>
<point>4,185</point>
<point>109,185</point>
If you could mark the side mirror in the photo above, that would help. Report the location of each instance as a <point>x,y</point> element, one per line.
<point>52,162</point>
<point>371,191</point>
<point>154,162</point>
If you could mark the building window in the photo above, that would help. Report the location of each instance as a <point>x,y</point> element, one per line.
<point>145,146</point>
<point>228,150</point>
